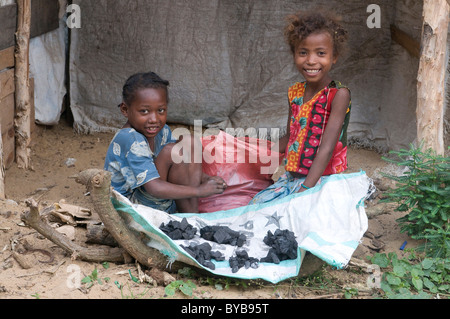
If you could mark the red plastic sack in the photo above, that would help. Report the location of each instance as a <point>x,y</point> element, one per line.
<point>246,164</point>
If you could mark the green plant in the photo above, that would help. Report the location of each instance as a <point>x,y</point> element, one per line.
<point>132,294</point>
<point>424,192</point>
<point>349,293</point>
<point>36,296</point>
<point>185,287</point>
<point>405,279</point>
<point>90,279</point>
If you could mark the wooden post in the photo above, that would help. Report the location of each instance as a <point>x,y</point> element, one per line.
<point>2,169</point>
<point>431,76</point>
<point>23,105</point>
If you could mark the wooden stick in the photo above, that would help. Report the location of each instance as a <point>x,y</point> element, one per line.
<point>98,234</point>
<point>98,183</point>
<point>22,80</point>
<point>431,75</point>
<point>94,254</point>
<point>2,168</point>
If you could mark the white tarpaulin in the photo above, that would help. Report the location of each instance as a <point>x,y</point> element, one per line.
<point>329,221</point>
<point>48,69</point>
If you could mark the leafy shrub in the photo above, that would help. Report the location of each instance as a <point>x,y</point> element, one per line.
<point>424,192</point>
<point>186,288</point>
<point>403,279</point>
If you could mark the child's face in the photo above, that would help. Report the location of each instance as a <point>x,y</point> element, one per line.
<point>147,114</point>
<point>314,57</point>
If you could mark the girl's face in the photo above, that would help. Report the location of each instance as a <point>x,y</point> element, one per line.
<point>147,114</point>
<point>314,57</point>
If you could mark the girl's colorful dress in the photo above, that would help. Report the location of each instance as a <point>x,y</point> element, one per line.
<point>308,122</point>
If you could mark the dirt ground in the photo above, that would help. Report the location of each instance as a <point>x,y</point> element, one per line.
<point>52,271</point>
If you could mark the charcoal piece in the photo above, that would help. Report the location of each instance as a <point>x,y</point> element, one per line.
<point>203,254</point>
<point>209,264</point>
<point>242,254</point>
<point>271,257</point>
<point>184,224</point>
<point>223,235</point>
<point>241,259</point>
<point>283,246</point>
<point>179,230</point>
<point>176,234</point>
<point>241,240</point>
<point>217,255</point>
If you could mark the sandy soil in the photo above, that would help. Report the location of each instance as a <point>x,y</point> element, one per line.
<point>49,181</point>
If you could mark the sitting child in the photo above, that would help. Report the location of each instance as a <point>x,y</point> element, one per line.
<point>319,107</point>
<point>148,166</point>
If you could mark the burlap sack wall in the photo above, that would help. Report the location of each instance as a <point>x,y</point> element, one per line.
<point>229,66</point>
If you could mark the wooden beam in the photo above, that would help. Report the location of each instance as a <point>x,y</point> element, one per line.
<point>7,58</point>
<point>2,169</point>
<point>45,18</point>
<point>7,85</point>
<point>406,41</point>
<point>431,75</point>
<point>7,131</point>
<point>7,110</point>
<point>22,80</point>
<point>8,18</point>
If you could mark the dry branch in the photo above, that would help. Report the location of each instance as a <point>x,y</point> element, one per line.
<point>98,234</point>
<point>94,254</point>
<point>98,183</point>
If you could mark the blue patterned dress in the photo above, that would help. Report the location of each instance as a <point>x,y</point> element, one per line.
<point>131,163</point>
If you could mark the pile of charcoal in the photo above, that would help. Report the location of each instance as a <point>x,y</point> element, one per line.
<point>242,260</point>
<point>203,254</point>
<point>283,246</point>
<point>223,235</point>
<point>179,230</point>
<point>282,243</point>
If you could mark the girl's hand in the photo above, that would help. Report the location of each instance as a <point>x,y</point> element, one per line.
<point>213,185</point>
<point>206,178</point>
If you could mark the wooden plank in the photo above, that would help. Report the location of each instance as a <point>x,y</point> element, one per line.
<point>45,18</point>
<point>8,22</point>
<point>9,145</point>
<point>7,129</point>
<point>431,75</point>
<point>7,85</point>
<point>406,41</point>
<point>7,58</point>
<point>7,112</point>
<point>32,108</point>
<point>2,170</point>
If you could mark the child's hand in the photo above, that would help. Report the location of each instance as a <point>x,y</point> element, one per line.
<point>212,185</point>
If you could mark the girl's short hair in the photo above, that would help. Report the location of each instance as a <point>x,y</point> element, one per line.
<point>149,80</point>
<point>302,24</point>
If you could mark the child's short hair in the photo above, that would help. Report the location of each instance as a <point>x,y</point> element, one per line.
<point>302,24</point>
<point>149,80</point>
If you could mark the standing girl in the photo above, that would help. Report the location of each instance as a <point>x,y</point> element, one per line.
<point>319,107</point>
<point>148,166</point>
